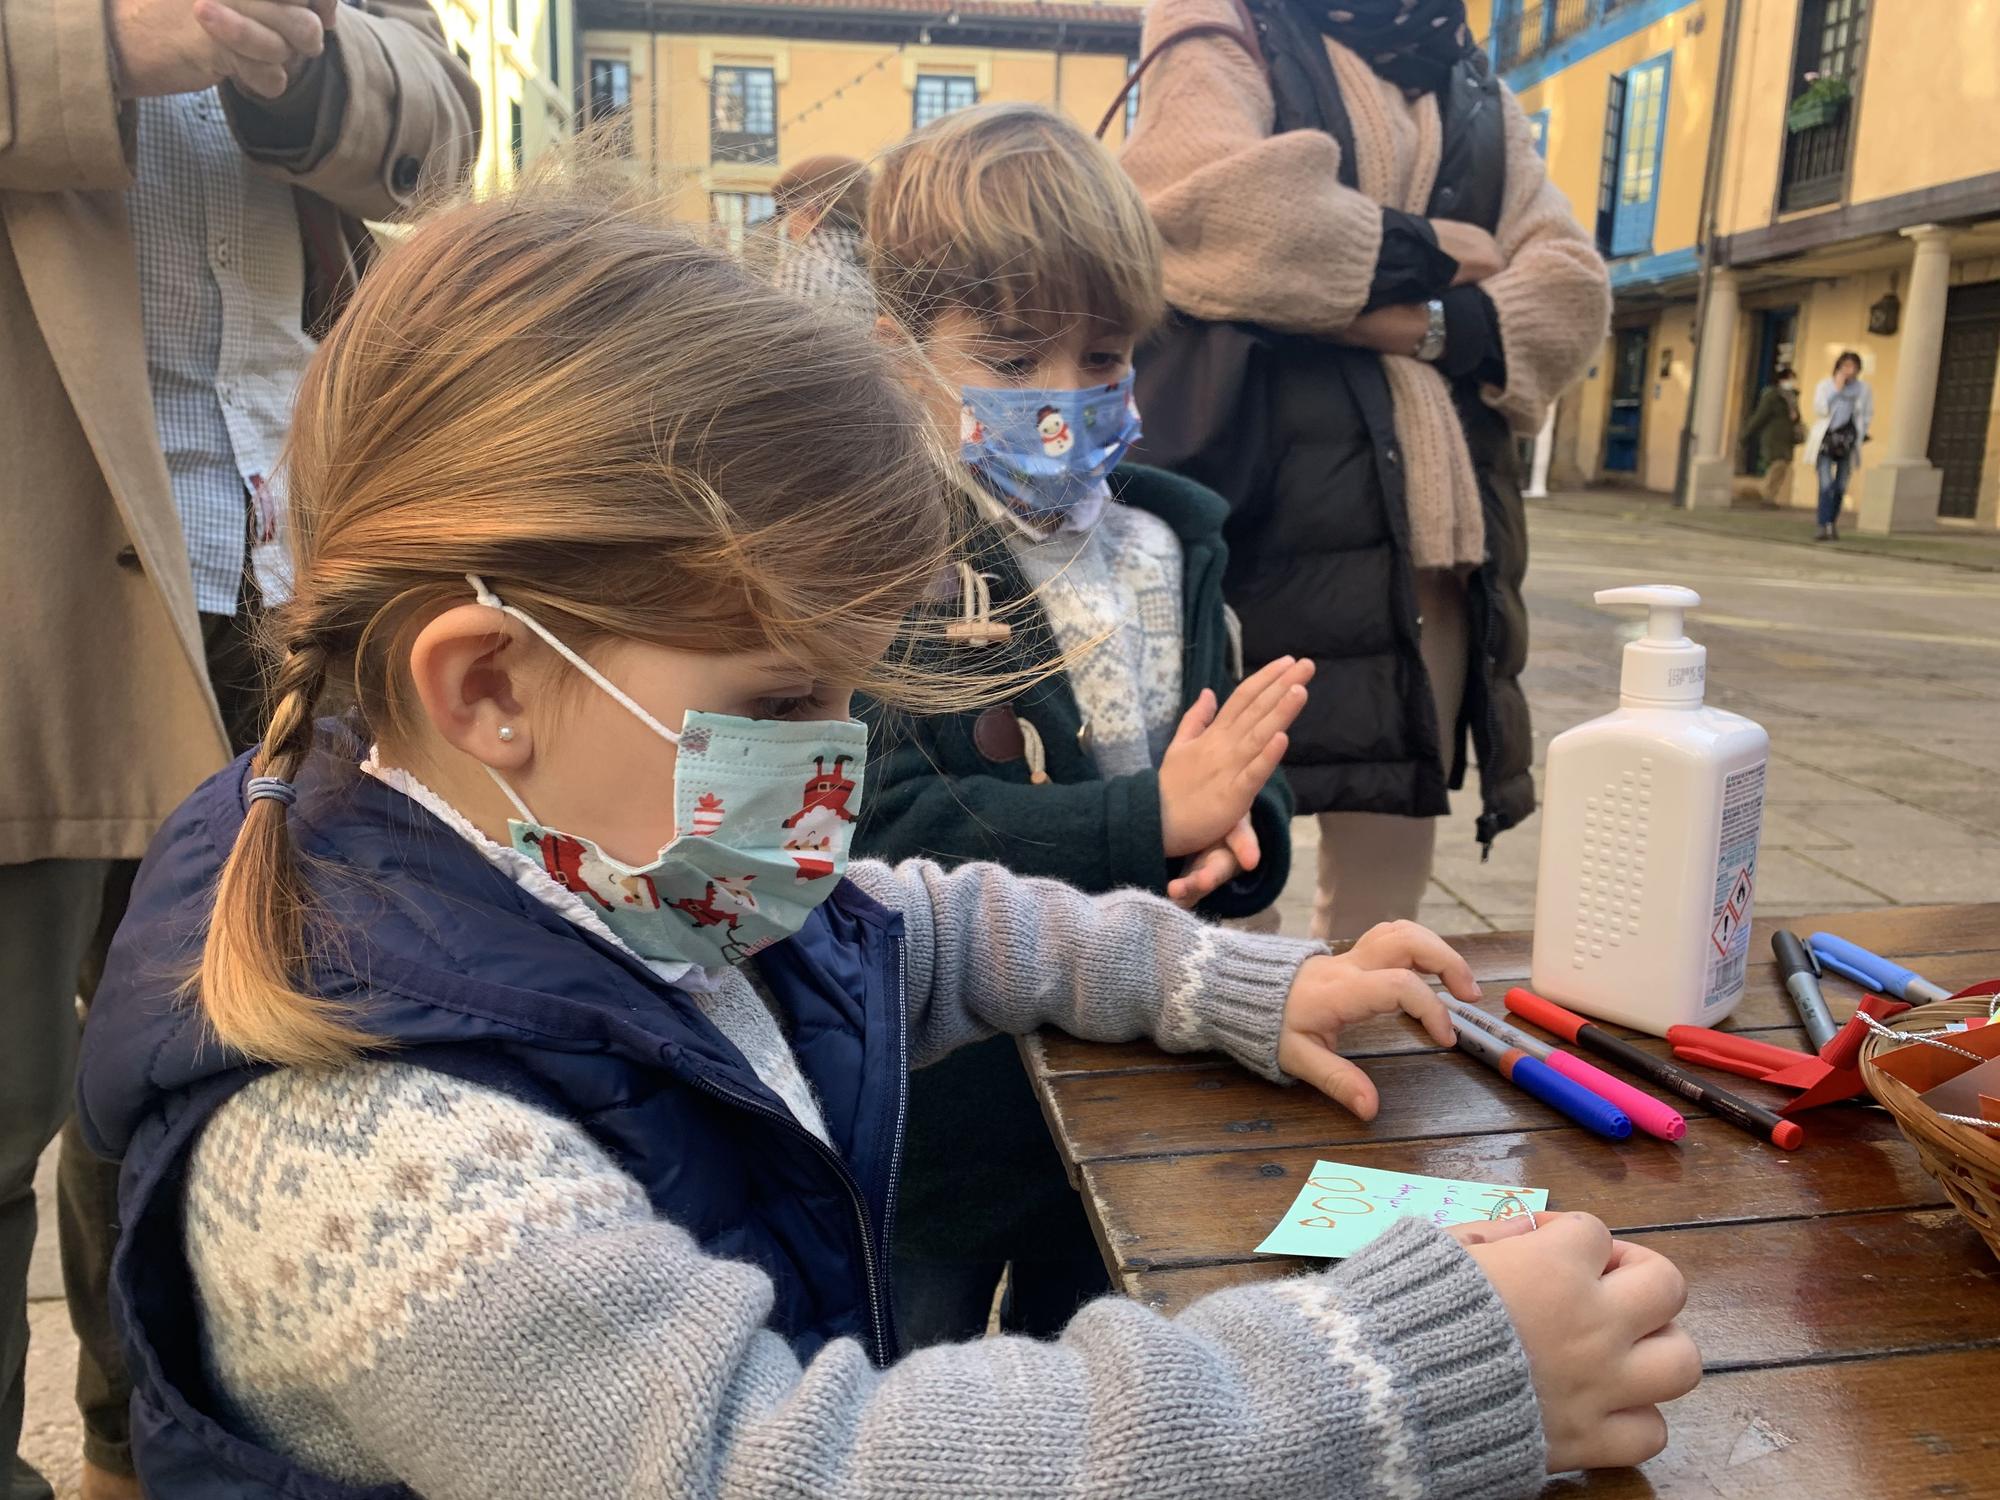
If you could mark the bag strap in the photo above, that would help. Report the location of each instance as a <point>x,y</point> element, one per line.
<point>1243,34</point>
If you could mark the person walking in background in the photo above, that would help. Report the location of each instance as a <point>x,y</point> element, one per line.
<point>822,205</point>
<point>182,187</point>
<point>1844,406</point>
<point>1773,431</point>
<point>1354,186</point>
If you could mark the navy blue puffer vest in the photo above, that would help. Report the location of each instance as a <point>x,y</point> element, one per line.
<point>474,977</point>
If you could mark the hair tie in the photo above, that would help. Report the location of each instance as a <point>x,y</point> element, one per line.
<point>257,788</point>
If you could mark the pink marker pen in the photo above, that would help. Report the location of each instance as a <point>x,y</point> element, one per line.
<point>1651,1115</point>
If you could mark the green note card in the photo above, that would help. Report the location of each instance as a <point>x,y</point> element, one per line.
<point>1340,1209</point>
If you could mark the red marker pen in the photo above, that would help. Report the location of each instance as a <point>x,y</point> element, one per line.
<point>1785,1134</point>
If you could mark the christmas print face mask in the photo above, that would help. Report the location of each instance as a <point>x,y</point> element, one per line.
<point>764,811</point>
<point>1046,453</point>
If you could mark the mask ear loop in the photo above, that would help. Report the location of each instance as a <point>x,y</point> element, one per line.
<point>491,600</point>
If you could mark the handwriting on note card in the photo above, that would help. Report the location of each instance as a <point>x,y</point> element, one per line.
<point>1340,1209</point>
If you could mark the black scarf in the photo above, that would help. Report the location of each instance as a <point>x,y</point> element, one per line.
<point>1414,43</point>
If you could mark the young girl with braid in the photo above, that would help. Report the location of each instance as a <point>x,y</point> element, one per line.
<point>508,1071</point>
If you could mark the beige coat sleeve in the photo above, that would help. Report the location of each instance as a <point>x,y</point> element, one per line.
<point>61,126</point>
<point>386,111</point>
<point>1256,226</point>
<point>1554,298</point>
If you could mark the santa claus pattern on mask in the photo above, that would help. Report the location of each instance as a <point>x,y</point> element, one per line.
<point>759,841</point>
<point>1046,454</point>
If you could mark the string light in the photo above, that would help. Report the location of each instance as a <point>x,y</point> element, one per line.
<point>855,82</point>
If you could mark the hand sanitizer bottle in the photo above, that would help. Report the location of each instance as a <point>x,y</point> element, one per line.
<point>1650,819</point>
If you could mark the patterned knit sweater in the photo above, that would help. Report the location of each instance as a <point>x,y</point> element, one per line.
<point>405,1277</point>
<point>1112,593</point>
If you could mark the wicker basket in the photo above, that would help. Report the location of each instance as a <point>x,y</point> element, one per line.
<point>1964,1159</point>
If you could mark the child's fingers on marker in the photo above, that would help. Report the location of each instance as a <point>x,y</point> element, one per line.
<point>1420,1002</point>
<point>1407,945</point>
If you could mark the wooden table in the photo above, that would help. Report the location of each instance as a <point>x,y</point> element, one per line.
<point>1848,1318</point>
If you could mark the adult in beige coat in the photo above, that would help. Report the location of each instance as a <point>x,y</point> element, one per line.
<point>104,669</point>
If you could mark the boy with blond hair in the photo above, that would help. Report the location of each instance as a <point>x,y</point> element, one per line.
<point>1017,265</point>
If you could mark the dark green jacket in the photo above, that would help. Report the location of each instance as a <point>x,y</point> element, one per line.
<point>956,788</point>
<point>1774,426</point>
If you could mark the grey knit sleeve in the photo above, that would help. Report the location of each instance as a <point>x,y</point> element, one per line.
<point>406,1278</point>
<point>992,951</point>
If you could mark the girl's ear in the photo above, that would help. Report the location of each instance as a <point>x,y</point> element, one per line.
<point>467,667</point>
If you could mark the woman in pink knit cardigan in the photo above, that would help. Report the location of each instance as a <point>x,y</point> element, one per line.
<point>1384,288</point>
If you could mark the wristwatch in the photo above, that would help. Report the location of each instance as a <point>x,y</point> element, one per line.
<point>1431,350</point>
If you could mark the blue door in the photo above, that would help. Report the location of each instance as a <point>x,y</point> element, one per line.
<point>1641,137</point>
<point>1628,400</point>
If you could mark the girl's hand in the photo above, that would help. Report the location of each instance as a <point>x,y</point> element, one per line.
<point>1216,866</point>
<point>1596,1318</point>
<point>1376,977</point>
<point>1219,760</point>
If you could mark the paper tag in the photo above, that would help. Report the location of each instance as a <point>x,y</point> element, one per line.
<point>1342,1208</point>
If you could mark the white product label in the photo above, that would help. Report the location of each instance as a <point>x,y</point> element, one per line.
<point>1735,884</point>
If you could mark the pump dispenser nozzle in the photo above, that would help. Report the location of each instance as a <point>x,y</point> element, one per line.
<point>1663,666</point>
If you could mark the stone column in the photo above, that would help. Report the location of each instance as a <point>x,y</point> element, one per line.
<point>1899,488</point>
<point>1712,472</point>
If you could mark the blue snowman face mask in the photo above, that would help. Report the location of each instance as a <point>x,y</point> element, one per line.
<point>1046,453</point>
<point>764,812</point>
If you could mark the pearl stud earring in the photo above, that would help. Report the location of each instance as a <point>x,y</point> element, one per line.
<point>506,732</point>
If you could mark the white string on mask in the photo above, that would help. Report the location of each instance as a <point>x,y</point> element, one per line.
<point>483,595</point>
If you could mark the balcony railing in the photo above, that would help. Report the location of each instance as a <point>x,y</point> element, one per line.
<point>1816,163</point>
<point>1524,29</point>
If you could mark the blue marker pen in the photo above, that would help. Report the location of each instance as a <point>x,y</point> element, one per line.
<point>1874,972</point>
<point>1589,1110</point>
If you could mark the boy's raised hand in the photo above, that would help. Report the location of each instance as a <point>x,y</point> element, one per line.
<point>1217,865</point>
<point>1220,758</point>
<point>1379,975</point>
<point>1596,1317</point>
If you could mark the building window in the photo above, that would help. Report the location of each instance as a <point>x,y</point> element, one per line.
<point>737,212</point>
<point>514,16</point>
<point>1538,131</point>
<point>464,58</point>
<point>743,116</point>
<point>515,141</point>
<point>611,100</point>
<point>1635,123</point>
<point>1826,57</point>
<point>552,15</point>
<point>1131,99</point>
<point>1527,28</point>
<point>938,94</point>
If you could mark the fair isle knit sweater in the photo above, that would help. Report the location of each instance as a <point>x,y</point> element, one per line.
<point>405,1277</point>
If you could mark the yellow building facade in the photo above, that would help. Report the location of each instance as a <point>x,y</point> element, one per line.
<point>524,55</point>
<point>1836,162</point>
<point>715,99</point>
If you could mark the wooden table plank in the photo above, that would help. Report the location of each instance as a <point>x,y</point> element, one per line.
<point>1850,1321</point>
<point>1843,1287</point>
<point>1162,1212</point>
<point>1425,1095</point>
<point>1941,957</point>
<point>1895,1428</point>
